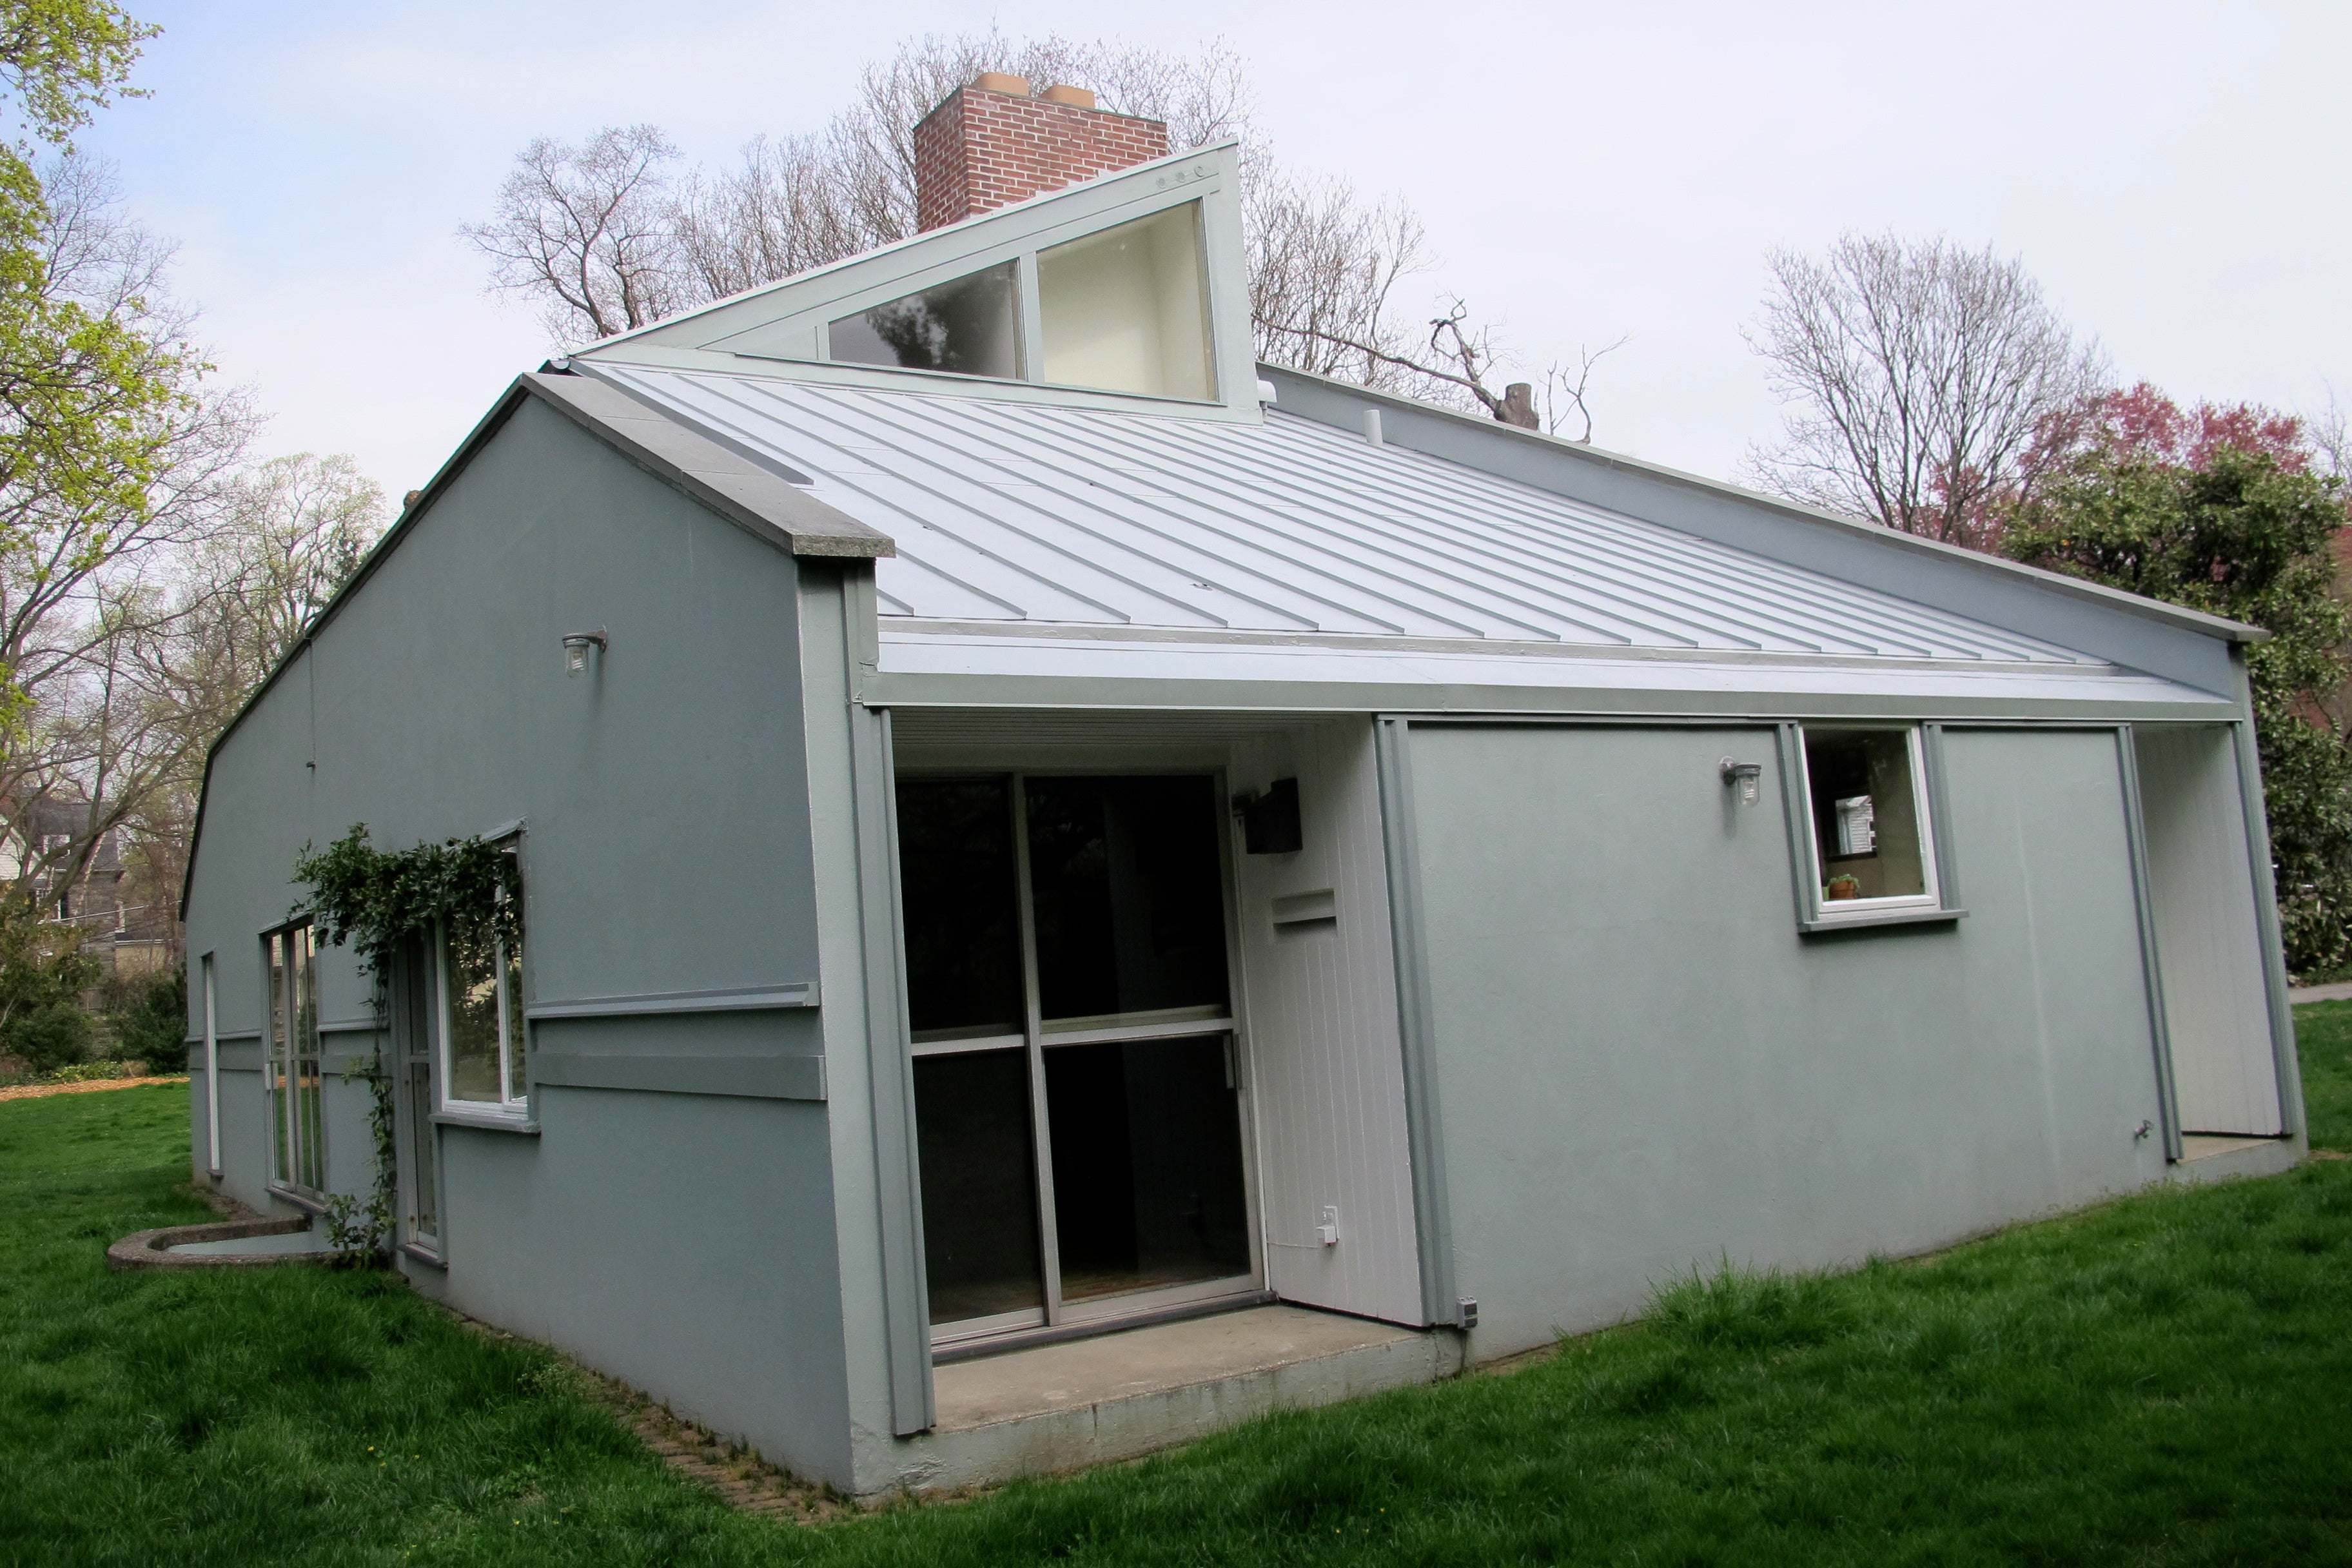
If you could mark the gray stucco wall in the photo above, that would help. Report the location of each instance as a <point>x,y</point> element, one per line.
<point>682,1241</point>
<point>1643,1067</point>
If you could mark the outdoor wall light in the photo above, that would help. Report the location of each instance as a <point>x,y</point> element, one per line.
<point>575,650</point>
<point>1743,776</point>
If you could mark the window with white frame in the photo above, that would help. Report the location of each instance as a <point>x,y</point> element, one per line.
<point>298,1124</point>
<point>1869,839</point>
<point>479,987</point>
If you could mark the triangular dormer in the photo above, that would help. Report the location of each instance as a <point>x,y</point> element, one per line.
<point>1129,292</point>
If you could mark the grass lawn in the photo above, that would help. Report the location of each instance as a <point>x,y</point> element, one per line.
<point>2165,1380</point>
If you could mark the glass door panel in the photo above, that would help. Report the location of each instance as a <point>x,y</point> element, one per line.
<point>962,910</point>
<point>1147,1162</point>
<point>979,1184</point>
<point>1128,896</point>
<point>1079,1129</point>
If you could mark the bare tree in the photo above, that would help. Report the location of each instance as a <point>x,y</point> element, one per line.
<point>781,210</point>
<point>1563,393</point>
<point>589,232</point>
<point>1325,267</point>
<point>293,531</point>
<point>604,240</point>
<point>2330,435</point>
<point>1918,377</point>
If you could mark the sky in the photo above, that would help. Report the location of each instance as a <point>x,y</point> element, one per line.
<point>2174,175</point>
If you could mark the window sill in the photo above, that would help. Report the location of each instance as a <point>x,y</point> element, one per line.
<point>423,1254</point>
<point>1887,917</point>
<point>487,1121</point>
<point>306,1202</point>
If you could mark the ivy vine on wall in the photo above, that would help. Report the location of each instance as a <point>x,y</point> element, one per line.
<point>377,901</point>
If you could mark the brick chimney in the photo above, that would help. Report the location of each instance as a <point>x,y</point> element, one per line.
<point>990,144</point>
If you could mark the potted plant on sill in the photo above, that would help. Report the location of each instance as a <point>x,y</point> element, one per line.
<point>1843,886</point>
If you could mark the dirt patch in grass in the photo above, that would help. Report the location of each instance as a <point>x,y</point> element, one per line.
<point>90,1086</point>
<point>739,1475</point>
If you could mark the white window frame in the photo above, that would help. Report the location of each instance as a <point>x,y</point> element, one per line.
<point>282,1056</point>
<point>507,1108</point>
<point>1827,913</point>
<point>212,1068</point>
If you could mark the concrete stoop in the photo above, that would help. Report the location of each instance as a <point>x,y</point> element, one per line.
<point>2205,1157</point>
<point>1065,1406</point>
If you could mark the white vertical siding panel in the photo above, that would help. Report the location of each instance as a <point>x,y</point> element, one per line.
<point>1328,1069</point>
<point>2203,887</point>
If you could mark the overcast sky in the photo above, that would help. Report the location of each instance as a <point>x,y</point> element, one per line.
<point>2176,175</point>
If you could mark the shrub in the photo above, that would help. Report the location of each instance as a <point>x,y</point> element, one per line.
<point>149,1018</point>
<point>49,1037</point>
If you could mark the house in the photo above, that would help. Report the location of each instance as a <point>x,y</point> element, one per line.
<point>102,894</point>
<point>40,839</point>
<point>1076,886</point>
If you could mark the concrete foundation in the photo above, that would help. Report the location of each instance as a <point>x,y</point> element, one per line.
<point>1065,1406</point>
<point>2208,1158</point>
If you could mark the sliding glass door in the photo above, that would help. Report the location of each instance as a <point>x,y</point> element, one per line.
<point>1077,1092</point>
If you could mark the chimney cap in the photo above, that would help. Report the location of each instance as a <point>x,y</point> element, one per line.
<point>1002,81</point>
<point>1076,97</point>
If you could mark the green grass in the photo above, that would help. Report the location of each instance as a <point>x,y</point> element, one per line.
<point>2163,1381</point>
<point>2323,1034</point>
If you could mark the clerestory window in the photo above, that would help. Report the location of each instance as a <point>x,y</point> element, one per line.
<point>1124,309</point>
<point>970,326</point>
<point>1127,309</point>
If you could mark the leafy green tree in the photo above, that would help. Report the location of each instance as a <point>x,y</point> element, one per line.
<point>91,393</point>
<point>114,453</point>
<point>2221,509</point>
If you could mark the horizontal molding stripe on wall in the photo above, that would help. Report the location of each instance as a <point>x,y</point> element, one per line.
<point>760,1077</point>
<point>747,1000</point>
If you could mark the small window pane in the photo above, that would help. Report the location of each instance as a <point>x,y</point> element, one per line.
<point>309,1120</point>
<point>958,890</point>
<point>420,1034</point>
<point>424,1217</point>
<point>518,1082</point>
<point>1866,814</point>
<point>969,326</point>
<point>473,1003</point>
<point>1147,1165</point>
<point>979,1170</point>
<point>1129,901</point>
<point>1127,309</point>
<point>279,1064</point>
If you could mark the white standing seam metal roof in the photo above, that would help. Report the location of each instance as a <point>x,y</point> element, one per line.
<point>1023,514</point>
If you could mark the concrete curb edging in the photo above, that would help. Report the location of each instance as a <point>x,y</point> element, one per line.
<point>147,1248</point>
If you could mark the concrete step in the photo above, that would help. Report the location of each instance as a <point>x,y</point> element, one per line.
<point>1065,1407</point>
